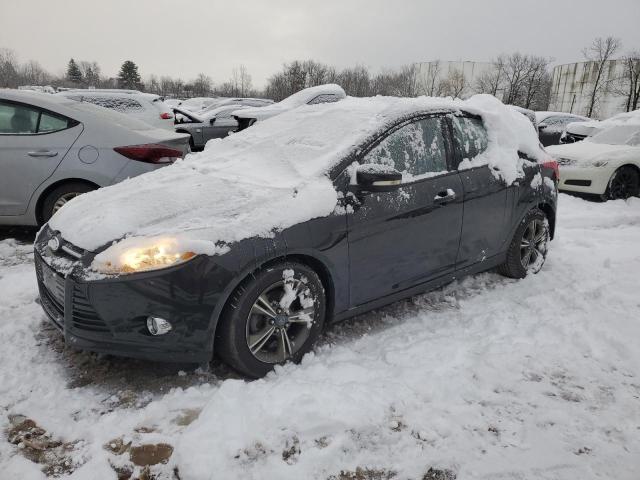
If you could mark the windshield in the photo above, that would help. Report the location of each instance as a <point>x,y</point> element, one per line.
<point>619,135</point>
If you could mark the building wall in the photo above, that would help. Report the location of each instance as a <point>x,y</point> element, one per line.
<point>572,85</point>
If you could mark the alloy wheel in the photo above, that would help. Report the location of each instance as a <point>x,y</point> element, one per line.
<point>624,184</point>
<point>280,320</point>
<point>64,199</point>
<point>533,246</point>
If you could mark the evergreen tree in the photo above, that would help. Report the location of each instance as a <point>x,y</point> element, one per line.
<point>73,72</point>
<point>128,77</point>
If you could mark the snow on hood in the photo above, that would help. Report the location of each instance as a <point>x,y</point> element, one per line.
<point>586,152</point>
<point>292,101</point>
<point>270,176</point>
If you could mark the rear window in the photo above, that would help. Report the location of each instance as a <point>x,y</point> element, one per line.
<point>112,116</point>
<point>119,104</point>
<point>470,136</point>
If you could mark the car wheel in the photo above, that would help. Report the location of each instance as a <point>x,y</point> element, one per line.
<point>275,316</point>
<point>624,183</point>
<point>528,249</point>
<point>57,197</point>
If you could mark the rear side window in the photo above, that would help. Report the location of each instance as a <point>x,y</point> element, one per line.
<point>19,119</point>
<point>325,98</point>
<point>119,104</point>
<point>416,150</point>
<point>470,136</point>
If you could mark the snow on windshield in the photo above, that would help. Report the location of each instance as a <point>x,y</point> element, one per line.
<point>274,174</point>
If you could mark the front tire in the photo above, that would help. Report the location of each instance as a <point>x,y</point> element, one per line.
<point>60,195</point>
<point>624,183</point>
<point>528,249</point>
<point>273,317</point>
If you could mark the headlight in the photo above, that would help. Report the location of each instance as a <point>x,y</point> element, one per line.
<point>138,255</point>
<point>566,161</point>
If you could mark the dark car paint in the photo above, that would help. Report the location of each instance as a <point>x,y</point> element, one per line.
<point>366,258</point>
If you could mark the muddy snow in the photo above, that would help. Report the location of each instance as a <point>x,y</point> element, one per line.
<point>486,378</point>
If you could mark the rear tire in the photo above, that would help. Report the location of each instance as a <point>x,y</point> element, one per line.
<point>528,249</point>
<point>624,183</point>
<point>60,195</point>
<point>273,317</point>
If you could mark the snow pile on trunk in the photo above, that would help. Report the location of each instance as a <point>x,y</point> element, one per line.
<point>272,175</point>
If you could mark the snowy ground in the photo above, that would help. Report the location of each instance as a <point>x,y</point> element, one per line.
<point>487,378</point>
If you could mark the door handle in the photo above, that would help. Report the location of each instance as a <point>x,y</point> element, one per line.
<point>445,196</point>
<point>42,153</point>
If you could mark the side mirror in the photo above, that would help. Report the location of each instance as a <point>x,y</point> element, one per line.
<point>372,177</point>
<point>212,121</point>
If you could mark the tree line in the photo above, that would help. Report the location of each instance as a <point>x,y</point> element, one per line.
<point>517,79</point>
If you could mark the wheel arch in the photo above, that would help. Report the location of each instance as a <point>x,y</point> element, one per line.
<point>550,212</point>
<point>53,186</point>
<point>310,261</point>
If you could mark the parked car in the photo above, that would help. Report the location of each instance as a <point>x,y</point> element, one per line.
<point>196,104</point>
<point>172,102</point>
<point>530,114</point>
<point>576,132</point>
<point>606,164</point>
<point>309,96</point>
<point>144,106</point>
<point>53,149</point>
<point>319,214</point>
<point>551,125</point>
<point>217,123</point>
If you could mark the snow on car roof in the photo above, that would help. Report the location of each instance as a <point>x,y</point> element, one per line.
<point>296,100</point>
<point>542,115</point>
<point>270,176</point>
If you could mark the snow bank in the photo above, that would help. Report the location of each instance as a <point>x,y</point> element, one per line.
<point>272,175</point>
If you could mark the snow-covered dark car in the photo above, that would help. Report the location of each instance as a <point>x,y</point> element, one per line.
<point>251,247</point>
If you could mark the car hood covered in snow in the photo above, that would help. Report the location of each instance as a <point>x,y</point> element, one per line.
<point>586,153</point>
<point>271,176</point>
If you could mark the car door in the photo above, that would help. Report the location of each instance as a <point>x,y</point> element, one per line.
<point>485,194</point>
<point>223,124</point>
<point>33,142</point>
<point>410,235</point>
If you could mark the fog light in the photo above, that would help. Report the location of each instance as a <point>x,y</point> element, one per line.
<point>158,326</point>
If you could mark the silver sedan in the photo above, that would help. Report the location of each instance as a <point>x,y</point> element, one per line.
<point>53,149</point>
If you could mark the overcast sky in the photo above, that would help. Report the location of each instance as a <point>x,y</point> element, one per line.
<point>183,38</point>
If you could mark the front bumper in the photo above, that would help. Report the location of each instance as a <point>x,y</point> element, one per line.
<point>109,315</point>
<point>593,180</point>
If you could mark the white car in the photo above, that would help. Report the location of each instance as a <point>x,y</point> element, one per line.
<point>196,104</point>
<point>328,93</point>
<point>147,107</point>
<point>606,164</point>
<point>577,131</point>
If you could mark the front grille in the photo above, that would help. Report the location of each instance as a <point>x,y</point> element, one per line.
<point>83,316</point>
<point>51,293</point>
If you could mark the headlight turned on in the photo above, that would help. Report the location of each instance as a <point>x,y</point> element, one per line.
<point>159,254</point>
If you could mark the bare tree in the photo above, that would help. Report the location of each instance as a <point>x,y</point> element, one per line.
<point>8,68</point>
<point>430,82</point>
<point>201,86</point>
<point>455,84</point>
<point>492,80</point>
<point>630,82</point>
<point>599,53</point>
